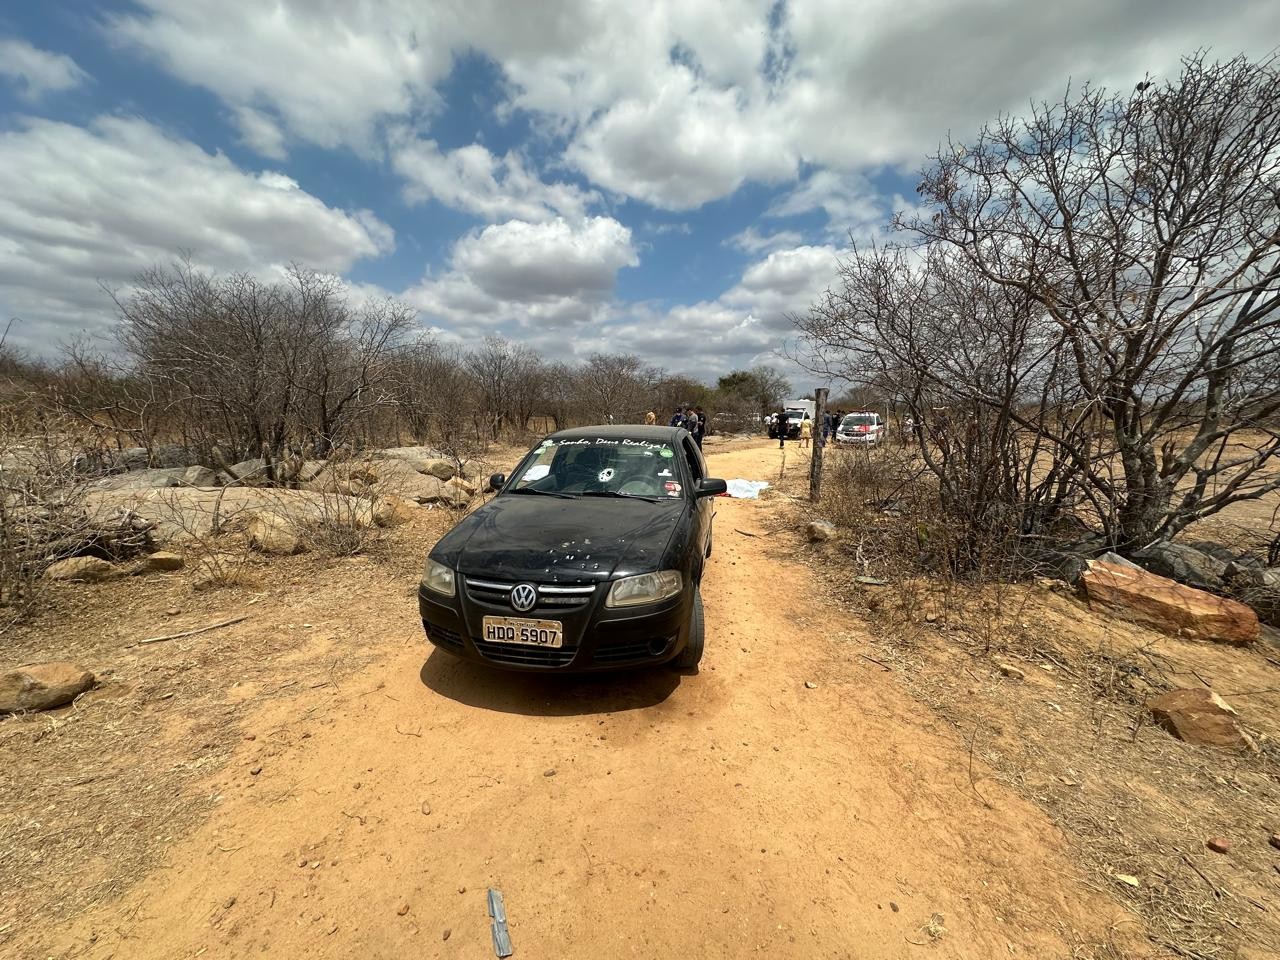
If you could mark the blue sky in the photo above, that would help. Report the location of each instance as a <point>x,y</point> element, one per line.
<point>668,178</point>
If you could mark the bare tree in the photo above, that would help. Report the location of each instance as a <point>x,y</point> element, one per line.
<point>1102,279</point>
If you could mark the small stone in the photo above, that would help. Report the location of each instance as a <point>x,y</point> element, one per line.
<point>447,934</point>
<point>402,909</point>
<point>251,736</point>
<point>1128,879</point>
<point>809,684</point>
<point>820,531</point>
<point>1218,844</point>
<point>172,611</point>
<point>228,903</point>
<point>1010,671</point>
<point>893,906</point>
<point>425,808</point>
<point>302,861</point>
<point>256,770</point>
<point>1274,840</point>
<point>315,864</point>
<point>930,618</point>
<point>549,773</point>
<point>162,561</point>
<point>462,889</point>
<point>333,929</point>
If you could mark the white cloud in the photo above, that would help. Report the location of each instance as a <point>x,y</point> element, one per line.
<point>260,133</point>
<point>80,205</point>
<point>753,241</point>
<point>529,275</point>
<point>680,102</point>
<point>36,71</point>
<point>474,180</point>
<point>330,70</point>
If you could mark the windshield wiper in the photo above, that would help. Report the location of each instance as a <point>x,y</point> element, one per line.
<point>547,493</point>
<point>624,496</point>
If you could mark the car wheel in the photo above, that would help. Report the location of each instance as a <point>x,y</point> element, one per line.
<point>691,655</point>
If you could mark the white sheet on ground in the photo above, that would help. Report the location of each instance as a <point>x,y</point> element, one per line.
<point>746,489</point>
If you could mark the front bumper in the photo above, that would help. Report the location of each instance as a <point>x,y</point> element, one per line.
<point>595,636</point>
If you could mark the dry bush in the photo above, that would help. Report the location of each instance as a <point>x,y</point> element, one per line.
<point>204,532</point>
<point>44,516</point>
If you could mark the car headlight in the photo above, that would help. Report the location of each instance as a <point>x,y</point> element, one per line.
<point>646,588</point>
<point>439,578</point>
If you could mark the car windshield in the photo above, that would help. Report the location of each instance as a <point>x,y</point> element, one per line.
<point>601,465</point>
<point>860,420</point>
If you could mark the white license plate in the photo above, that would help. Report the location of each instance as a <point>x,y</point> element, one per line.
<point>531,633</point>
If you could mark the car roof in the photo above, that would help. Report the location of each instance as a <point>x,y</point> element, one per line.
<point>622,431</point>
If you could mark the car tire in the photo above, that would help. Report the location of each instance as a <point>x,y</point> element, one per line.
<point>691,655</point>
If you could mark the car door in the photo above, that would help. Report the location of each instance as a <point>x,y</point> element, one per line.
<point>702,509</point>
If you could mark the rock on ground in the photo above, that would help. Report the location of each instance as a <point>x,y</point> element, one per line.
<point>1158,602</point>
<point>819,531</point>
<point>1198,716</point>
<point>1184,564</point>
<point>392,511</point>
<point>162,561</point>
<point>42,686</point>
<point>86,569</point>
<point>157,479</point>
<point>273,534</point>
<point>199,477</point>
<point>1259,587</point>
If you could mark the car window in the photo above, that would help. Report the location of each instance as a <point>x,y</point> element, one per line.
<point>861,420</point>
<point>694,459</point>
<point>595,465</point>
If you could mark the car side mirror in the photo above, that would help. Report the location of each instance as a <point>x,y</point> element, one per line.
<point>710,487</point>
<point>496,481</point>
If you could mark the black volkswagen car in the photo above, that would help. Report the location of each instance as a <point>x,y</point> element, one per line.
<point>589,557</point>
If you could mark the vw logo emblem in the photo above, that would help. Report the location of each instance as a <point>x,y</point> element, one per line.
<point>524,596</point>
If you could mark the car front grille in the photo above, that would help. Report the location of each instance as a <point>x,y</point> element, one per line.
<point>551,596</point>
<point>526,655</point>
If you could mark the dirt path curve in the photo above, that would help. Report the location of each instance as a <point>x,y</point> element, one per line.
<point>734,813</point>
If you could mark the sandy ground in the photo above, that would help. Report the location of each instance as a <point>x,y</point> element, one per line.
<point>739,812</point>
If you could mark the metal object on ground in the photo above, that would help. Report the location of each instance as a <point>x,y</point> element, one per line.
<point>498,911</point>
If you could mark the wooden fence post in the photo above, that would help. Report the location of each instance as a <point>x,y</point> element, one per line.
<point>815,460</point>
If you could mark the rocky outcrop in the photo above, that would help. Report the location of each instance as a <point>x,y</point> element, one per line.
<point>1173,608</point>
<point>273,534</point>
<point>84,569</point>
<point>1200,717</point>
<point>1259,587</point>
<point>42,686</point>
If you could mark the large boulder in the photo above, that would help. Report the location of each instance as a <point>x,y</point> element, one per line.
<point>249,471</point>
<point>1198,716</point>
<point>273,534</point>
<point>42,686</point>
<point>398,478</point>
<point>84,569</point>
<point>440,469</point>
<point>1158,602</point>
<point>392,511</point>
<point>199,477</point>
<point>157,479</point>
<point>1185,564</point>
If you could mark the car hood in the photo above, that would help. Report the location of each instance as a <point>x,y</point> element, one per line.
<point>549,539</point>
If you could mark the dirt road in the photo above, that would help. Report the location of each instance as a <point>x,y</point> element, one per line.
<point>738,812</point>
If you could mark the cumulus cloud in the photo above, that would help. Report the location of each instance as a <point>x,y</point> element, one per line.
<point>680,102</point>
<point>474,180</point>
<point>260,133</point>
<point>753,241</point>
<point>37,72</point>
<point>82,205</point>
<point>329,70</point>
<point>528,275</point>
